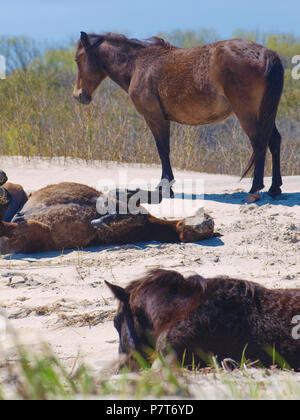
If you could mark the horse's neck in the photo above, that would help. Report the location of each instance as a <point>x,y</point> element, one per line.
<point>119,65</point>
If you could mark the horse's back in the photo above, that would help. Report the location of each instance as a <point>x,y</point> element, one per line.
<point>195,84</point>
<point>64,193</point>
<point>58,202</point>
<point>199,63</point>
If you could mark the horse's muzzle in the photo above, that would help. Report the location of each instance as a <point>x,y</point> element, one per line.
<point>83,98</point>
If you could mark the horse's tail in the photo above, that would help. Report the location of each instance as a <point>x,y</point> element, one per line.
<point>274,73</point>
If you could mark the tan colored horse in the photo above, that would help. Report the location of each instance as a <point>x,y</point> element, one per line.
<point>64,216</point>
<point>196,86</point>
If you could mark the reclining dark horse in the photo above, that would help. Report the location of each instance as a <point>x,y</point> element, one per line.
<point>68,216</point>
<point>198,318</point>
<point>195,86</point>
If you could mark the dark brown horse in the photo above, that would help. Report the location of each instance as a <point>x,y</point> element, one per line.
<point>200,317</point>
<point>195,86</point>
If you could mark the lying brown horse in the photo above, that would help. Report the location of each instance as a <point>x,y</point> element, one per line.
<point>64,216</point>
<point>200,317</point>
<point>196,86</point>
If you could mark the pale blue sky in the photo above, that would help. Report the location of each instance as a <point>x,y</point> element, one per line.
<point>59,20</point>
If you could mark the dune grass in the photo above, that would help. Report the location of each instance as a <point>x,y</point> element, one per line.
<point>42,376</point>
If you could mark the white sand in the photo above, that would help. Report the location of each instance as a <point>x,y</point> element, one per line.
<point>62,299</point>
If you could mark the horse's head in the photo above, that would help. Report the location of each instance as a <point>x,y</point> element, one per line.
<point>125,322</point>
<point>150,305</point>
<point>196,228</point>
<point>90,73</point>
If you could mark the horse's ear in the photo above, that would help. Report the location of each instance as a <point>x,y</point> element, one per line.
<point>119,292</point>
<point>85,41</point>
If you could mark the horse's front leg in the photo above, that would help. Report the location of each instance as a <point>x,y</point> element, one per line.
<point>122,228</point>
<point>161,131</point>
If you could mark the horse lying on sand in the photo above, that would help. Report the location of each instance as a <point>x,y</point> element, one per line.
<point>64,216</point>
<point>198,317</point>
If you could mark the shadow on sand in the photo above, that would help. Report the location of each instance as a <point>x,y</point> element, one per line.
<point>33,258</point>
<point>288,200</point>
<point>239,198</point>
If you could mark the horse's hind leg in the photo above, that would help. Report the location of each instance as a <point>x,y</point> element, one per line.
<point>256,112</point>
<point>274,146</point>
<point>27,237</point>
<point>260,148</point>
<point>260,139</point>
<point>259,142</point>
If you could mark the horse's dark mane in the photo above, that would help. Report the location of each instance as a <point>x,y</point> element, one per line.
<point>118,38</point>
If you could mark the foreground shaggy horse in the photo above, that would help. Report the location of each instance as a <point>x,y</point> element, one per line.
<point>195,86</point>
<point>199,317</point>
<point>64,216</point>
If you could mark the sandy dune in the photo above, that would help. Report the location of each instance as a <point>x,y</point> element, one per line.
<point>62,299</point>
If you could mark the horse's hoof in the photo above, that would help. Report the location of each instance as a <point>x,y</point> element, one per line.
<point>274,192</point>
<point>253,197</point>
<point>3,178</point>
<point>165,192</point>
<point>165,188</point>
<point>101,223</point>
<point>106,222</point>
<point>4,197</point>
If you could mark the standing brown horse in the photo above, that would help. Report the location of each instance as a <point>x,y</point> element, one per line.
<point>195,86</point>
